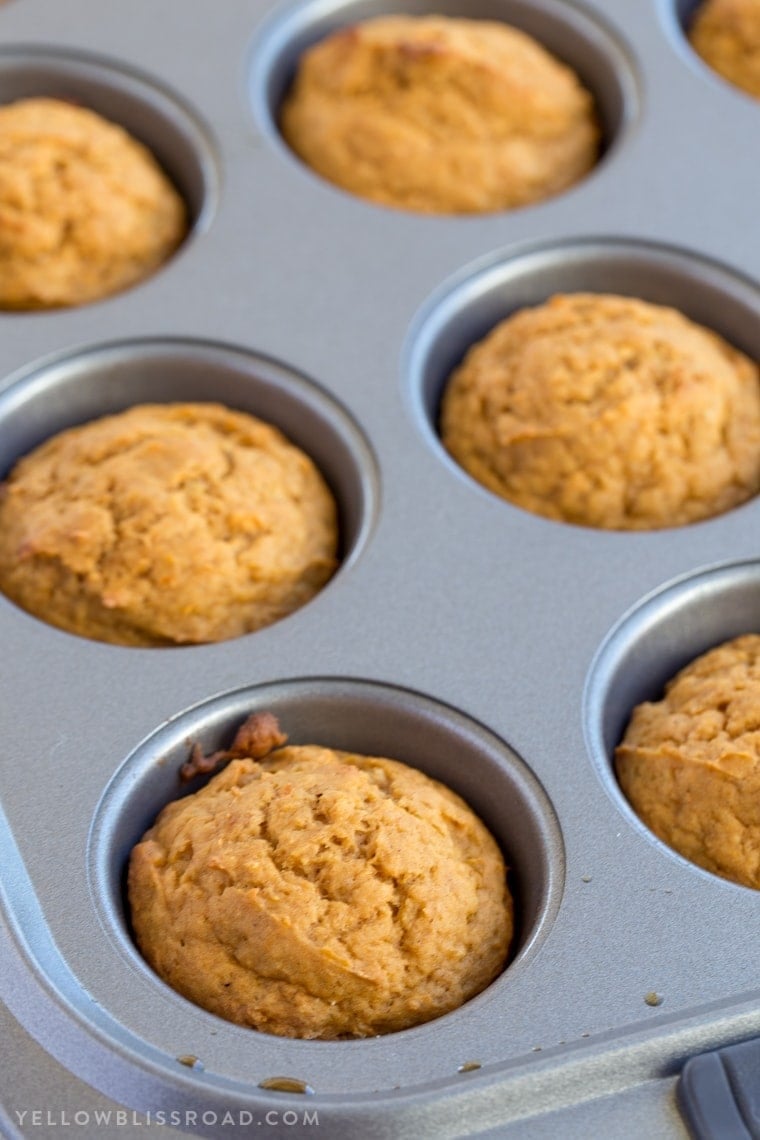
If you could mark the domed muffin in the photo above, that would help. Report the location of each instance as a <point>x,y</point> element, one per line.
<point>440,115</point>
<point>690,762</point>
<point>85,209</point>
<point>726,34</point>
<point>608,412</point>
<point>166,524</point>
<point>320,894</point>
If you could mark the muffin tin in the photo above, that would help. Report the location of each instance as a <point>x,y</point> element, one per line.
<point>499,651</point>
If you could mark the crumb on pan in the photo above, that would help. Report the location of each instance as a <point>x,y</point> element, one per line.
<point>257,736</point>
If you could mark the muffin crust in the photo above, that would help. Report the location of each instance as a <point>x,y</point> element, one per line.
<point>440,115</point>
<point>726,34</point>
<point>608,412</point>
<point>321,894</point>
<point>85,210</point>
<point>690,763</point>
<point>166,524</point>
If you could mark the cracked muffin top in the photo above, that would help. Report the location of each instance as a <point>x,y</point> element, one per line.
<point>321,894</point>
<point>690,763</point>
<point>85,209</point>
<point>440,115</point>
<point>608,412</point>
<point>726,34</point>
<point>166,524</point>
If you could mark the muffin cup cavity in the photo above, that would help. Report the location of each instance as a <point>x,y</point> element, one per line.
<point>733,72</point>
<point>683,11</point>
<point>467,307</point>
<point>657,638</point>
<point>106,379</point>
<point>353,716</point>
<point>589,48</point>
<point>171,131</point>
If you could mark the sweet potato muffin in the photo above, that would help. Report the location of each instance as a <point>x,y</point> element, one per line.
<point>440,115</point>
<point>320,894</point>
<point>166,524</point>
<point>690,763</point>
<point>85,210</point>
<point>726,34</point>
<point>608,412</point>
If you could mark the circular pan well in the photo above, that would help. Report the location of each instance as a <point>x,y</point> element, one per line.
<point>353,716</point>
<point>678,17</point>
<point>682,12</point>
<point>468,306</point>
<point>146,110</point>
<point>650,644</point>
<point>106,379</point>
<point>566,31</point>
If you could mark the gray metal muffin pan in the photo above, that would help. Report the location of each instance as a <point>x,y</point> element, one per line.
<point>499,651</point>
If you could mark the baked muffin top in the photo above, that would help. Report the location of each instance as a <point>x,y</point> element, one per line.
<point>166,524</point>
<point>726,34</point>
<point>609,412</point>
<point>690,762</point>
<point>440,115</point>
<point>85,209</point>
<point>321,894</point>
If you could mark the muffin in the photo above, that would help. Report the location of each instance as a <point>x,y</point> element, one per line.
<point>607,412</point>
<point>690,763</point>
<point>320,894</point>
<point>440,116</point>
<point>726,34</point>
<point>85,210</point>
<point>166,524</point>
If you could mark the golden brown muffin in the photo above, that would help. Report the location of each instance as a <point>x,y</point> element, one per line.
<point>440,115</point>
<point>166,524</point>
<point>321,894</point>
<point>85,210</point>
<point>726,34</point>
<point>607,412</point>
<point>690,763</point>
